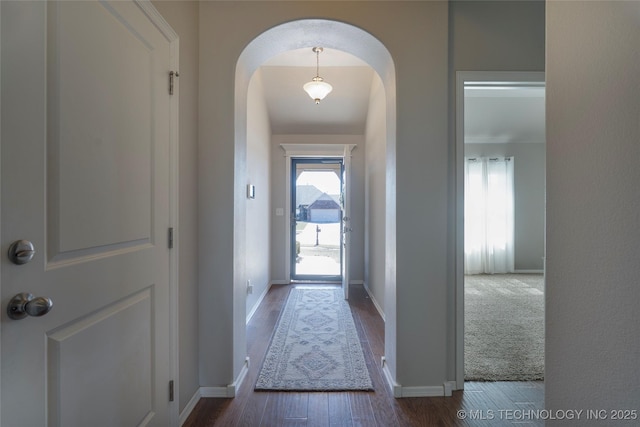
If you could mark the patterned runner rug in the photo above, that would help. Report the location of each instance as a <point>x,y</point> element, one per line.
<point>315,346</point>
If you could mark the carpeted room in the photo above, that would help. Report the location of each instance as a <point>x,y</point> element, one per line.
<point>504,327</point>
<point>502,119</point>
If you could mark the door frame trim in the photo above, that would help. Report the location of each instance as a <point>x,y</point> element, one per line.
<point>303,151</point>
<point>0,200</point>
<point>319,277</point>
<point>461,78</point>
<point>174,136</point>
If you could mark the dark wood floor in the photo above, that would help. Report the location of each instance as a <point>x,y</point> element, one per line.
<point>480,404</point>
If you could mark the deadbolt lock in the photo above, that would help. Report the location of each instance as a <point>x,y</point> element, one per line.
<point>21,252</point>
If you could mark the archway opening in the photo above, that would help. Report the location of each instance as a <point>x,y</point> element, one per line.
<point>290,36</point>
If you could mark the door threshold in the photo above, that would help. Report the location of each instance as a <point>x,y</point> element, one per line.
<point>315,282</point>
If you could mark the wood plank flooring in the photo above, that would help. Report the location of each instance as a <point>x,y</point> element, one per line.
<point>482,404</point>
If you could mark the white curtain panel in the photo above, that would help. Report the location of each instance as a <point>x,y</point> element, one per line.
<point>488,215</point>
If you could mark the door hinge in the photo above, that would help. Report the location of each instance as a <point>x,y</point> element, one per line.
<point>170,243</point>
<point>172,74</point>
<point>171,391</point>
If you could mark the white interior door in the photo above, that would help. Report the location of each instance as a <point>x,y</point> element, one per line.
<point>85,177</point>
<point>346,218</point>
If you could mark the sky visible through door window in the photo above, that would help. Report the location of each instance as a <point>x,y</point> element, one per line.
<point>325,181</point>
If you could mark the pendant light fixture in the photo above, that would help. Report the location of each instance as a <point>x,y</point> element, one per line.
<point>317,88</point>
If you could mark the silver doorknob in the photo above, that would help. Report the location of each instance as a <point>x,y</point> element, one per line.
<point>21,252</point>
<point>24,304</point>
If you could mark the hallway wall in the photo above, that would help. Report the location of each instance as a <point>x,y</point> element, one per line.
<point>258,209</point>
<point>375,194</point>
<point>593,226</point>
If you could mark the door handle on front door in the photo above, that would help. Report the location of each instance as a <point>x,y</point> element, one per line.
<point>24,304</point>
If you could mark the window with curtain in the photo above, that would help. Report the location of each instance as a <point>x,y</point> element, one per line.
<point>488,215</point>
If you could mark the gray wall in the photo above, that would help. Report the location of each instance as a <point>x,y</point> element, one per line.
<point>529,187</point>
<point>183,18</point>
<point>497,35</point>
<point>375,194</point>
<point>593,227</point>
<point>258,209</point>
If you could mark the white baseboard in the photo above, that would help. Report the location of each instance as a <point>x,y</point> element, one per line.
<point>257,304</point>
<point>424,391</point>
<point>396,389</point>
<point>224,392</point>
<point>215,392</point>
<point>528,271</point>
<point>230,390</point>
<point>375,302</point>
<point>449,386</point>
<point>280,282</point>
<point>446,389</point>
<point>189,408</point>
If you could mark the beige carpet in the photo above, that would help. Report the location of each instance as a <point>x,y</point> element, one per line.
<point>504,327</point>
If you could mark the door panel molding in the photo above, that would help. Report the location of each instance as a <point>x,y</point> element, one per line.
<point>77,351</point>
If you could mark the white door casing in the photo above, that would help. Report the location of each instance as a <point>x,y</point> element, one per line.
<point>507,77</point>
<point>89,176</point>
<point>346,218</point>
<point>309,151</point>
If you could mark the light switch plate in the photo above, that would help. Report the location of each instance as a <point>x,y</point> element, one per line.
<point>279,211</point>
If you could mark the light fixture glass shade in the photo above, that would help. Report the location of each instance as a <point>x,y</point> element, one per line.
<point>317,89</point>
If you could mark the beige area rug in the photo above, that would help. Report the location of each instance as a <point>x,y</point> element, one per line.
<point>504,327</point>
<point>315,346</point>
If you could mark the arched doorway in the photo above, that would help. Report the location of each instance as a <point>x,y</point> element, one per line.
<point>279,39</point>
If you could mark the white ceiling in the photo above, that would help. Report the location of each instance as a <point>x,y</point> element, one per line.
<point>305,57</point>
<point>501,114</point>
<point>292,111</point>
<point>494,113</point>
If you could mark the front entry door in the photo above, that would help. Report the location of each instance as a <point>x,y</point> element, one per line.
<point>315,219</point>
<point>85,178</point>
